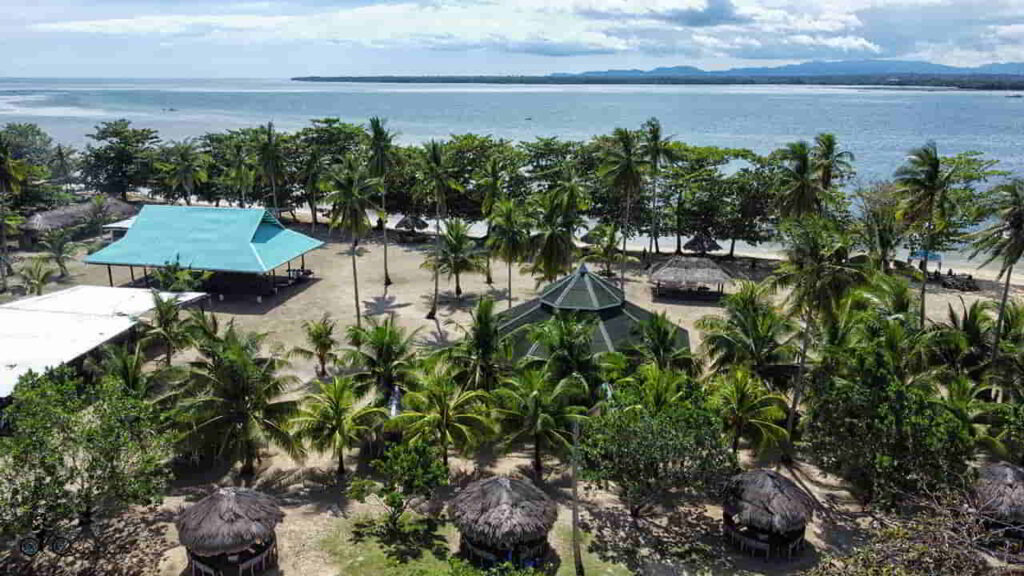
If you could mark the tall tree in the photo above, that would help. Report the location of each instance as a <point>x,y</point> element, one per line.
<point>240,174</point>
<point>12,175</point>
<point>182,170</point>
<point>458,254</point>
<point>623,164</point>
<point>1003,240</point>
<point>558,218</point>
<point>831,163</point>
<point>479,353</point>
<point>748,409</point>
<point>313,177</point>
<point>122,158</point>
<point>349,201</point>
<point>438,180</point>
<point>332,420</point>
<point>509,235</point>
<point>382,161</point>
<point>658,151</point>
<point>384,358</point>
<point>801,192</point>
<point>491,182</point>
<point>271,161</point>
<point>320,343</point>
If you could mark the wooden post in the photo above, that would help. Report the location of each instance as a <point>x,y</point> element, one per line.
<point>131,270</point>
<point>145,275</point>
<point>303,264</point>
<point>110,276</point>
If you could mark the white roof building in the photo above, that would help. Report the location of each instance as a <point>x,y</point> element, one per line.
<point>49,330</point>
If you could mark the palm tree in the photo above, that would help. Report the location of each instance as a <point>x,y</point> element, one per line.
<point>438,180</point>
<point>166,325</point>
<point>13,173</point>
<point>802,191</point>
<point>925,184</point>
<point>829,162</point>
<point>384,358</point>
<point>967,402</point>
<point>331,420</point>
<point>382,160</point>
<point>534,407</point>
<point>492,186</point>
<point>478,354</point>
<point>508,235</point>
<point>237,403</point>
<point>63,165</point>
<point>349,202</point>
<point>748,409</point>
<point>320,341</point>
<point>126,364</point>
<point>37,275</point>
<point>567,339</point>
<point>658,151</point>
<point>752,333</point>
<point>553,242</point>
<point>882,230</point>
<point>622,164</point>
<point>1003,240</point>
<point>313,176</point>
<point>659,344</point>
<point>271,162</point>
<point>458,254</point>
<point>183,170</point>
<point>60,249</point>
<point>240,174</point>
<point>605,239</point>
<point>660,388</point>
<point>443,413</point>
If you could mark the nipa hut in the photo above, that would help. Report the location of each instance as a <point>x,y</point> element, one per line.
<point>230,532</point>
<point>766,512</point>
<point>71,216</point>
<point>999,493</point>
<point>412,222</point>
<point>503,520</point>
<point>689,274</point>
<point>702,244</point>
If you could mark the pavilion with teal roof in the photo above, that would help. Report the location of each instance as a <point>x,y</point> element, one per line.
<point>588,294</point>
<point>248,241</point>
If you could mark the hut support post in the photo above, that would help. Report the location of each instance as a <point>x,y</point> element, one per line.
<point>110,276</point>
<point>302,262</point>
<point>131,270</point>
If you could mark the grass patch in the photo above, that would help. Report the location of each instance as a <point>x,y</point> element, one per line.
<point>561,540</point>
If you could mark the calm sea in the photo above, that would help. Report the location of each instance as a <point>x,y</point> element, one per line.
<point>879,125</point>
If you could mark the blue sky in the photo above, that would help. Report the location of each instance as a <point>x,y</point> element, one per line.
<point>208,38</point>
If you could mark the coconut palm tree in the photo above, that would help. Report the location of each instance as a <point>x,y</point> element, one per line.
<point>659,344</point>
<point>236,399</point>
<point>240,174</point>
<point>349,202</point>
<point>183,170</point>
<point>479,353</point>
<point>658,151</point>
<point>1003,240</point>
<point>60,249</point>
<point>801,194</point>
<point>382,160</point>
<point>925,183</point>
<point>567,339</point>
<point>967,401</point>
<point>459,254</point>
<point>881,229</point>
<point>622,165</point>
<point>533,407</point>
<point>126,364</point>
<point>604,239</point>
<point>13,173</point>
<point>508,235</point>
<point>829,162</point>
<point>441,412</point>
<point>437,181</point>
<point>313,177</point>
<point>36,275</point>
<point>63,165</point>
<point>332,420</point>
<point>553,242</point>
<point>271,162</point>
<point>167,326</point>
<point>660,388</point>
<point>384,358</point>
<point>491,182</point>
<point>748,409</point>
<point>320,343</point>
<point>751,333</point>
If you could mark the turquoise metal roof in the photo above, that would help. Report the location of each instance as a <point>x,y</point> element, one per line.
<point>204,238</point>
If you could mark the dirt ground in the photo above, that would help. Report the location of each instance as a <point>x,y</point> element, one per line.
<point>315,506</point>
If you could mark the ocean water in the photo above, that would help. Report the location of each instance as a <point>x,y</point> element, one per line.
<point>878,124</point>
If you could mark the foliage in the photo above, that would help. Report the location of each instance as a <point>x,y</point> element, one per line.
<point>458,254</point>
<point>320,343</point>
<point>409,470</point>
<point>480,354</point>
<point>748,409</point>
<point>121,158</point>
<point>331,420</point>
<point>384,359</point>
<point>76,452</point>
<point>173,277</point>
<point>60,249</point>
<point>36,275</point>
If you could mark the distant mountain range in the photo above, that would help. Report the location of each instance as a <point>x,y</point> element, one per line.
<point>815,68</point>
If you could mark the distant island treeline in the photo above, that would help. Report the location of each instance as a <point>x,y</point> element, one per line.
<point>999,76</point>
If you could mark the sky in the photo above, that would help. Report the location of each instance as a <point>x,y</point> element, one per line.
<point>279,39</point>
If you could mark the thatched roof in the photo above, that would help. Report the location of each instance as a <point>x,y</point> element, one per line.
<point>702,243</point>
<point>501,512</point>
<point>690,270</point>
<point>228,521</point>
<point>1000,492</point>
<point>412,222</point>
<point>767,501</point>
<point>75,215</point>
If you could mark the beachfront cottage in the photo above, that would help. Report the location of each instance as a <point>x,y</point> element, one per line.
<point>503,520</point>
<point>765,512</point>
<point>244,248</point>
<point>73,218</point>
<point>586,293</point>
<point>690,275</point>
<point>231,531</point>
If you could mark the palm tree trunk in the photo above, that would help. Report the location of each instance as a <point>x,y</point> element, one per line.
<point>924,286</point>
<point>458,286</point>
<point>679,222</point>
<point>355,282</point>
<point>169,347</point>
<point>735,442</point>
<point>341,464</point>
<point>1002,311</point>
<point>312,210</point>
<point>444,454</point>
<point>384,210</point>
<point>577,555</point>
<point>654,207</point>
<point>509,284</point>
<point>3,238</point>
<point>437,257</point>
<point>538,464</point>
<point>732,249</point>
<point>798,385</point>
<point>273,190</point>
<point>625,235</point>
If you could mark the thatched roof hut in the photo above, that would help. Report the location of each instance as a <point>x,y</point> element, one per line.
<point>76,215</point>
<point>412,222</point>
<point>764,510</point>
<point>689,273</point>
<point>702,243</point>
<point>231,527</point>
<point>1000,492</point>
<point>503,519</point>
